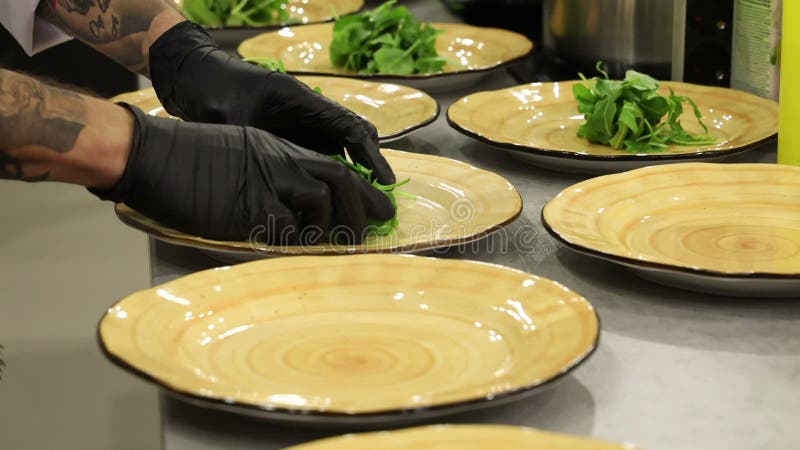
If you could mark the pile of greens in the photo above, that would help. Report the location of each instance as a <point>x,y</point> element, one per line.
<point>386,40</point>
<point>377,227</point>
<point>628,114</point>
<point>253,13</point>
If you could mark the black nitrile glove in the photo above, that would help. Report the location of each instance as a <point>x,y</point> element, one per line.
<point>198,82</point>
<point>223,181</point>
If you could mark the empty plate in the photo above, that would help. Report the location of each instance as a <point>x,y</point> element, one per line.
<point>394,110</point>
<point>539,122</point>
<point>472,50</point>
<point>454,203</point>
<point>725,229</point>
<point>352,340</point>
<point>460,437</point>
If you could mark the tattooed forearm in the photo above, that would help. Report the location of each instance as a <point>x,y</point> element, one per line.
<point>35,117</point>
<point>121,29</point>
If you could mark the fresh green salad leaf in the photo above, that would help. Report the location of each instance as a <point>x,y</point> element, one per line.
<point>631,114</point>
<point>387,40</point>
<point>253,13</point>
<point>377,227</point>
<point>275,65</point>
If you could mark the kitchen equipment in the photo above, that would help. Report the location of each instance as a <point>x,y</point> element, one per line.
<point>682,40</point>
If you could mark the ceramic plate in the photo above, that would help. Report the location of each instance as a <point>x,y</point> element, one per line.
<point>304,50</point>
<point>308,11</point>
<point>726,229</point>
<point>460,437</point>
<point>455,204</point>
<point>539,122</point>
<point>352,339</point>
<point>394,110</point>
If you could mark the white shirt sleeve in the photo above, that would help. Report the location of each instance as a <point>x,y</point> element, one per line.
<point>32,33</point>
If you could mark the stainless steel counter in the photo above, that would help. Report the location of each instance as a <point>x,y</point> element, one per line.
<point>675,369</point>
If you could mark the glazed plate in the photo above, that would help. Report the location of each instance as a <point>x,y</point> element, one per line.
<point>538,122</point>
<point>308,11</point>
<point>455,204</point>
<point>724,229</point>
<point>352,340</point>
<point>460,437</point>
<point>473,50</point>
<point>395,110</point>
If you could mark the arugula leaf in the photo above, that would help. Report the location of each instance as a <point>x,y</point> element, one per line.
<point>631,114</point>
<point>386,40</point>
<point>255,13</point>
<point>377,227</point>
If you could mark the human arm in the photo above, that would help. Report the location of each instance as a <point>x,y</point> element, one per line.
<point>216,181</point>
<point>197,81</point>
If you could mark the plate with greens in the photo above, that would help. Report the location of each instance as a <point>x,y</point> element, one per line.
<point>264,13</point>
<point>390,43</point>
<point>440,202</point>
<point>602,126</point>
<point>395,110</point>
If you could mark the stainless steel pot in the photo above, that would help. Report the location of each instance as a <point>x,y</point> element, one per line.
<point>621,33</point>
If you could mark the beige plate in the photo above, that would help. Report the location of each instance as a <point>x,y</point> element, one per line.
<point>718,228</point>
<point>352,339</point>
<point>455,204</point>
<point>540,122</point>
<point>394,110</point>
<point>460,437</point>
<point>310,11</point>
<point>304,50</point>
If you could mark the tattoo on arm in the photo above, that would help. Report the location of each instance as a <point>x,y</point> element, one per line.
<point>35,115</point>
<point>115,27</point>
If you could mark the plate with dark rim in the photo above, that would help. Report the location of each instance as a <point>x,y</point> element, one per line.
<point>450,203</point>
<point>474,52</point>
<point>461,437</point>
<point>538,122</point>
<point>723,229</point>
<point>395,110</point>
<point>352,340</point>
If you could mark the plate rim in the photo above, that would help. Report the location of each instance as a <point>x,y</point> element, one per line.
<point>655,265</point>
<point>320,417</point>
<point>418,77</point>
<point>390,137</point>
<point>573,155</point>
<point>277,26</point>
<point>350,250</point>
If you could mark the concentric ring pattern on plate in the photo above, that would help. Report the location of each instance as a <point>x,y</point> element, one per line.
<point>394,110</point>
<point>722,219</point>
<point>305,50</point>
<point>543,118</point>
<point>352,335</point>
<point>460,437</point>
<point>309,11</point>
<point>455,203</point>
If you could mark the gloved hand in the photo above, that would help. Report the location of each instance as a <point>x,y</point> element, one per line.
<point>222,181</point>
<point>198,82</point>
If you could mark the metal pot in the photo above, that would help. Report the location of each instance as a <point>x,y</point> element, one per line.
<point>621,33</point>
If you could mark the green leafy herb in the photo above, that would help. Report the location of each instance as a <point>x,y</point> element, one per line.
<point>273,64</point>
<point>386,40</point>
<point>631,114</point>
<point>378,227</point>
<point>254,13</point>
<point>276,65</point>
